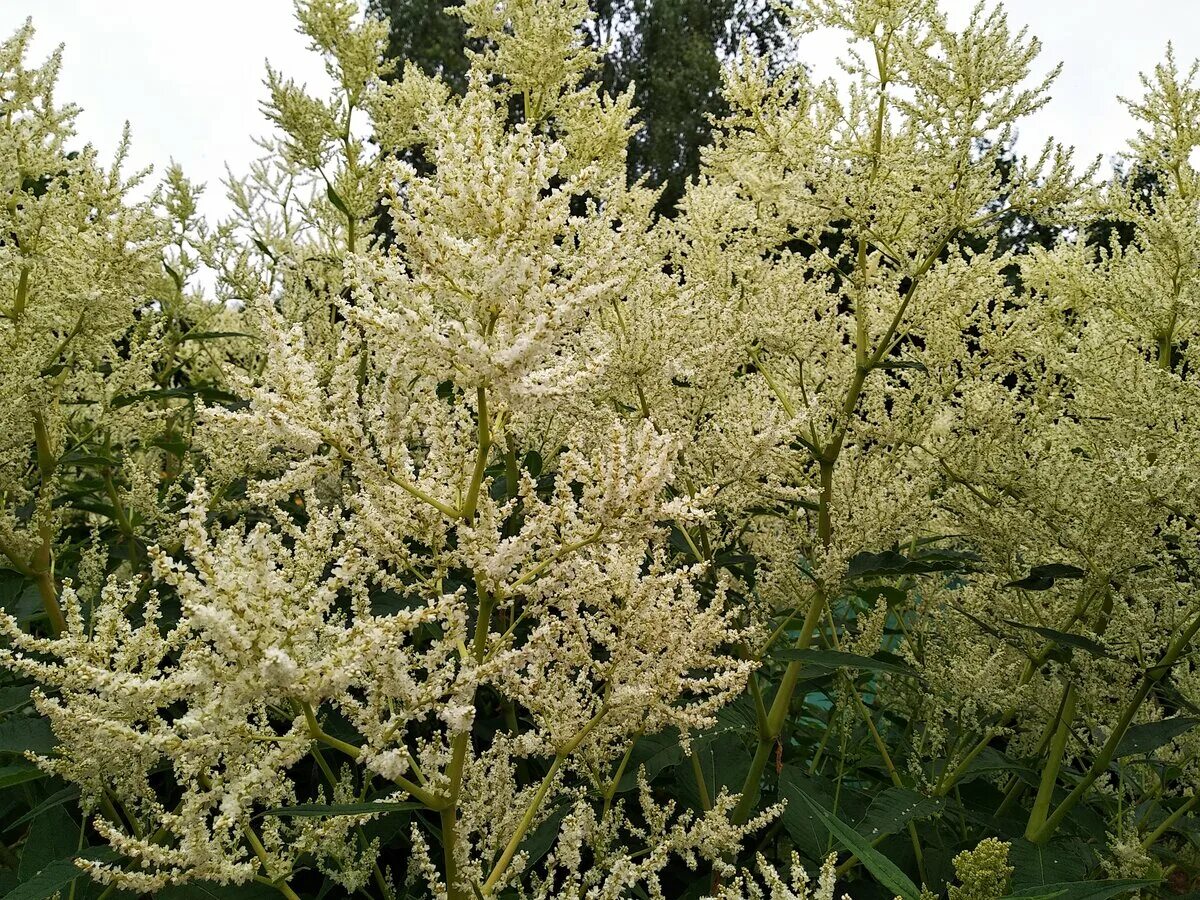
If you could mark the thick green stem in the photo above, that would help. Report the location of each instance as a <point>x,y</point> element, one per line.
<point>950,777</point>
<point>1165,350</point>
<point>481,458</point>
<point>770,730</point>
<point>22,296</point>
<point>1054,758</point>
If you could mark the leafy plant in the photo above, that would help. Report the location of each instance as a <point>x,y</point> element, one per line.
<point>550,548</point>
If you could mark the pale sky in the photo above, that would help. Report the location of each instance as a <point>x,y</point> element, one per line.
<point>188,75</point>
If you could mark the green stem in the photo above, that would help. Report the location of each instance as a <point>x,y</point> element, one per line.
<point>770,730</point>
<point>1170,821</point>
<point>616,780</point>
<point>1058,747</point>
<point>261,852</point>
<point>1100,764</point>
<point>514,842</point>
<point>124,523</point>
<point>318,734</point>
<point>526,822</point>
<point>22,297</point>
<point>481,457</point>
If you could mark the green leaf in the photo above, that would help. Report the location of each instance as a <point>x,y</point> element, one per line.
<point>53,837</point>
<point>892,809</point>
<point>19,596</point>
<point>538,842</point>
<point>1065,639</point>
<point>903,364</point>
<point>1060,861</point>
<point>85,459</point>
<point>338,203</point>
<point>66,795</point>
<point>19,773</point>
<point>992,760</point>
<point>655,753</point>
<point>1083,890</point>
<point>58,875</point>
<point>830,660</point>
<point>27,733</point>
<point>1152,735</point>
<point>893,595</point>
<point>264,249</point>
<point>175,276</point>
<point>886,871</point>
<point>892,562</point>
<point>1042,578</point>
<point>206,890</point>
<point>14,698</point>
<point>323,810</point>
<point>204,392</point>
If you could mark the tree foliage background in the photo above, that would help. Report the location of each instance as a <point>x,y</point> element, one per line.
<point>672,52</point>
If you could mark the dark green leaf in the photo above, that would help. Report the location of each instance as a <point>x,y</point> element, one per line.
<point>19,596</point>
<point>175,276</point>
<point>886,871</point>
<point>205,392</point>
<point>213,335</point>
<point>66,795</point>
<point>201,890</point>
<point>15,697</point>
<point>892,562</point>
<point>1064,638</point>
<point>264,249</point>
<point>1083,890</point>
<point>19,773</point>
<point>893,595</point>
<point>1059,861</point>
<point>338,203</point>
<point>538,842</point>
<point>829,660</point>
<point>892,809</point>
<point>903,364</point>
<point>27,733</point>
<point>59,874</point>
<point>654,753</point>
<point>992,760</point>
<point>1042,578</point>
<point>53,837</point>
<point>1151,735</point>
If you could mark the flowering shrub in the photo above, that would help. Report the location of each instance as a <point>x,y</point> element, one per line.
<point>476,534</point>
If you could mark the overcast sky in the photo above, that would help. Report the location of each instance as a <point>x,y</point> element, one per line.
<point>188,76</point>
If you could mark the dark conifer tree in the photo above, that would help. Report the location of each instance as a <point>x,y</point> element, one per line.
<point>671,51</point>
